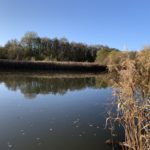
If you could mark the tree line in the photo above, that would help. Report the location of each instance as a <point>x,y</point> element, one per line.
<point>33,47</point>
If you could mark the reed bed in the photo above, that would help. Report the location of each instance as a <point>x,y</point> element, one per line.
<point>52,66</point>
<point>132,101</point>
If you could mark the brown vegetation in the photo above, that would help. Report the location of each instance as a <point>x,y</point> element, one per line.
<point>132,99</point>
<point>52,66</point>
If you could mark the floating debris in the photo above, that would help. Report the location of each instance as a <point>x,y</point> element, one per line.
<point>97,127</point>
<point>9,145</point>
<point>22,132</point>
<point>51,129</point>
<point>90,125</point>
<point>113,134</point>
<point>76,121</point>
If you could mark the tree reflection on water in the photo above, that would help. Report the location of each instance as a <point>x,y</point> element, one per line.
<point>33,84</point>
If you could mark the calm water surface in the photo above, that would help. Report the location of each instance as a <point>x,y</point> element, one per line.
<point>53,112</point>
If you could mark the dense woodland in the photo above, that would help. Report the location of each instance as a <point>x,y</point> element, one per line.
<point>32,47</point>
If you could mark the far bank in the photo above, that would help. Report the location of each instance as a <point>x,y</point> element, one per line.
<point>52,66</point>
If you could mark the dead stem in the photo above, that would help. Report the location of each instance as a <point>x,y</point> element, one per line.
<point>132,93</point>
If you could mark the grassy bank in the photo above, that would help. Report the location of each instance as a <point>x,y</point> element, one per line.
<point>51,66</point>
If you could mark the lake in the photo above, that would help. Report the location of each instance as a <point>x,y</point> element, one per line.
<point>53,111</point>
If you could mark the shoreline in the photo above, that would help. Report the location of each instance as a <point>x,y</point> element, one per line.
<point>13,65</point>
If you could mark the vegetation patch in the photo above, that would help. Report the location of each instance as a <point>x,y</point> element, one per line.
<point>132,99</point>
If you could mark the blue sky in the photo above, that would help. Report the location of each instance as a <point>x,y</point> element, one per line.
<point>115,23</point>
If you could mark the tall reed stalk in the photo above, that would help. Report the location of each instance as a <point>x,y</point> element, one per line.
<point>132,100</point>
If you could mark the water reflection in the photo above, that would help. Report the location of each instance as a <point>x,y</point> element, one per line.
<point>32,85</point>
<point>68,112</point>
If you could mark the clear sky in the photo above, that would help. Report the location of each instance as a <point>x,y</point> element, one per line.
<point>115,23</point>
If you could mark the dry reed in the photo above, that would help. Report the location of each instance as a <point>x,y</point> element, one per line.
<point>52,66</point>
<point>132,100</point>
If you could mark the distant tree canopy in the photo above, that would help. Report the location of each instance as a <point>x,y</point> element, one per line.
<point>105,55</point>
<point>113,56</point>
<point>33,47</point>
